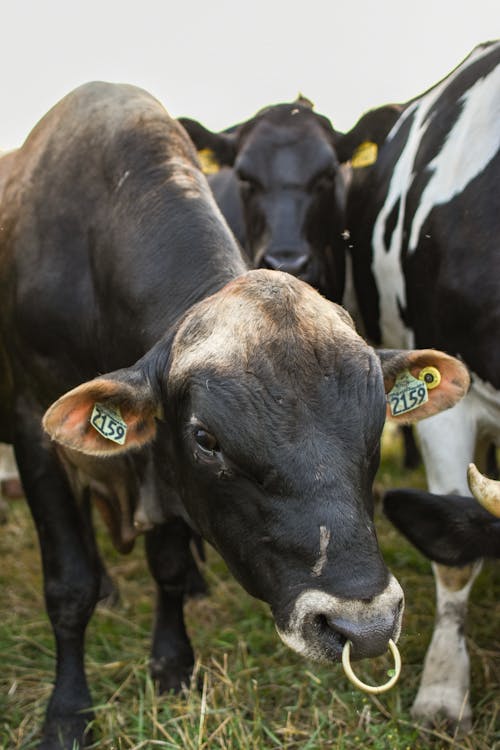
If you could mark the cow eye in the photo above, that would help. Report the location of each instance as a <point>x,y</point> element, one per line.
<point>206,441</point>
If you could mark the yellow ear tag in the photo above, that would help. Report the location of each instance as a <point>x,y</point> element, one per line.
<point>209,163</point>
<point>109,423</point>
<point>431,377</point>
<point>365,155</point>
<point>406,394</point>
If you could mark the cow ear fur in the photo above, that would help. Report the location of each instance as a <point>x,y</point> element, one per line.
<point>222,145</point>
<point>374,126</point>
<point>453,386</point>
<point>68,420</point>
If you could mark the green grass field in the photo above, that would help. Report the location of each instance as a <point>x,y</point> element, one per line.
<point>255,693</point>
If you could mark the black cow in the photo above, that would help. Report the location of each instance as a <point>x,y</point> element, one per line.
<point>425,228</point>
<point>238,405</point>
<point>282,191</point>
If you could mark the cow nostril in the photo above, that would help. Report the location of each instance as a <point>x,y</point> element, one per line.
<point>290,262</point>
<point>369,638</point>
<point>333,638</point>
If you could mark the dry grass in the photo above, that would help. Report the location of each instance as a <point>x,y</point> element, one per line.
<point>255,693</point>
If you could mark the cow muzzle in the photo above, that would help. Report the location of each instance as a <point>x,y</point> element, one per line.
<point>288,260</point>
<point>320,624</point>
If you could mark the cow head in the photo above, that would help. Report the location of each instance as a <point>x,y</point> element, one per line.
<point>291,189</point>
<point>268,409</point>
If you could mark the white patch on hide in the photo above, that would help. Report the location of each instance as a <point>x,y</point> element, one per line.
<point>448,440</point>
<point>324,540</point>
<point>387,260</point>
<point>470,146</point>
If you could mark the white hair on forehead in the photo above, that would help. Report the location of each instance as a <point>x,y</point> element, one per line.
<point>257,307</point>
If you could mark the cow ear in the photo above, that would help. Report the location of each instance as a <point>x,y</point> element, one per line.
<point>367,135</point>
<point>421,383</point>
<point>220,145</point>
<point>105,417</point>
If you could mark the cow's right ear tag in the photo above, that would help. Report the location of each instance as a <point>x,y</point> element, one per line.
<point>407,393</point>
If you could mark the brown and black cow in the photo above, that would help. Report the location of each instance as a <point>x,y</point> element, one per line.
<point>238,405</point>
<point>282,191</point>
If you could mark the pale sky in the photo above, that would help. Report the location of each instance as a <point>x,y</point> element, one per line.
<point>220,61</point>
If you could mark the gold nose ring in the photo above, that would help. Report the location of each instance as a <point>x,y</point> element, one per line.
<point>373,689</point>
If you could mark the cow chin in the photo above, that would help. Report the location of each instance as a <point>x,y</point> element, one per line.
<point>320,624</point>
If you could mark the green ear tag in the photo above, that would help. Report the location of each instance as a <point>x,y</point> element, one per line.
<point>109,423</point>
<point>406,394</point>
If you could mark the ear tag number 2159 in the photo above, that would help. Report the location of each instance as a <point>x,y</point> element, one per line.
<point>407,393</point>
<point>109,423</point>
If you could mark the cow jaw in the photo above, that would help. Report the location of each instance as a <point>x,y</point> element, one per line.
<point>320,623</point>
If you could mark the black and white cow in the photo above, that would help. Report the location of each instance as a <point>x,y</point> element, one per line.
<point>424,220</point>
<point>282,191</point>
<point>238,405</point>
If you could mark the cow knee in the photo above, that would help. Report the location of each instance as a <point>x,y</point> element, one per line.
<point>70,602</point>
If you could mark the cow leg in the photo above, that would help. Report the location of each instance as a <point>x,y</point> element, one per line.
<point>174,570</point>
<point>445,685</point>
<point>109,594</point>
<point>71,581</point>
<point>411,454</point>
<point>447,443</point>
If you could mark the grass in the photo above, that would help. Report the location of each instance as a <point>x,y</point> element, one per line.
<point>255,693</point>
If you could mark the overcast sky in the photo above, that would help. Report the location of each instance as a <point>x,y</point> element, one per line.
<point>221,60</point>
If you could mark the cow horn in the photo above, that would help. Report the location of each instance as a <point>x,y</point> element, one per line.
<point>486,491</point>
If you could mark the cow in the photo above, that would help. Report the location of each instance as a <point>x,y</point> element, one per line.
<point>282,191</point>
<point>422,213</point>
<point>450,529</point>
<point>145,367</point>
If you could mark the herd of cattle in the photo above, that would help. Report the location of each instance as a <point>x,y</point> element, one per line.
<point>165,353</point>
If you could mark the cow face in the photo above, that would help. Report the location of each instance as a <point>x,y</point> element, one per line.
<point>271,411</point>
<point>291,191</point>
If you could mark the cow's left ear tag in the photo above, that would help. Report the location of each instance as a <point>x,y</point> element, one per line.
<point>208,161</point>
<point>406,394</point>
<point>365,155</point>
<point>109,423</point>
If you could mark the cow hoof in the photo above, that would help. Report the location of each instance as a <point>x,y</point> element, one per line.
<point>170,676</point>
<point>66,735</point>
<point>443,706</point>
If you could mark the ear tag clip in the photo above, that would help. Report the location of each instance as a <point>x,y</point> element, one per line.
<point>109,423</point>
<point>365,155</point>
<point>431,377</point>
<point>406,394</point>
